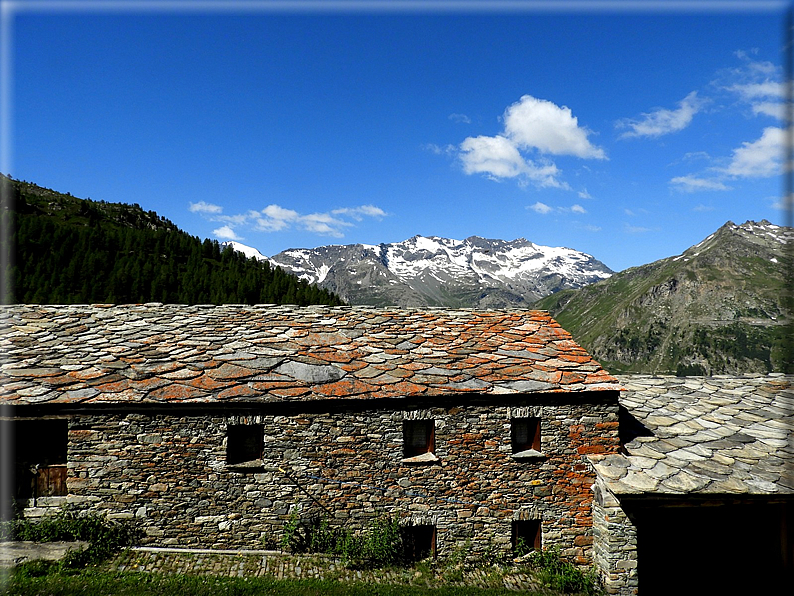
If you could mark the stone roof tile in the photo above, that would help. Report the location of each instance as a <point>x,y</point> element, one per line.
<point>154,353</point>
<point>710,435</point>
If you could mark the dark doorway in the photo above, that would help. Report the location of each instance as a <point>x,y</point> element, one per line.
<point>713,548</point>
<point>419,541</point>
<point>526,536</point>
<point>40,450</point>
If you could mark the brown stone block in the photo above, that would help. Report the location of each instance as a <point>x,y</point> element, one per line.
<point>589,449</point>
<point>569,377</point>
<point>336,356</point>
<point>354,366</point>
<point>60,380</point>
<point>114,386</point>
<point>176,392</point>
<point>87,374</point>
<point>206,383</point>
<point>228,371</point>
<point>238,391</point>
<point>401,388</point>
<point>574,356</point>
<point>344,388</point>
<point>290,391</point>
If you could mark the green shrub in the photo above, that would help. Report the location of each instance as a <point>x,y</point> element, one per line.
<point>562,575</point>
<point>104,537</point>
<point>381,545</point>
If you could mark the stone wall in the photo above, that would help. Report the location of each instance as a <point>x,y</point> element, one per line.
<point>168,471</point>
<point>614,543</point>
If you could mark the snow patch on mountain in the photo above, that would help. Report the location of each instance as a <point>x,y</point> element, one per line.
<point>429,270</point>
<point>248,251</point>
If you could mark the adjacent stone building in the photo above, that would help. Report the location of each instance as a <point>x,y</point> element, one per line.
<point>701,498</point>
<point>211,425</point>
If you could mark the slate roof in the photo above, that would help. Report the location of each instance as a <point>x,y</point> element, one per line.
<point>154,353</point>
<point>710,435</point>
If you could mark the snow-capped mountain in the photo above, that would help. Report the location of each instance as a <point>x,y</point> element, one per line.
<point>248,251</point>
<point>432,271</point>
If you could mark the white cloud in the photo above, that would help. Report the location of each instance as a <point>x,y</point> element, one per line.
<point>695,155</point>
<point>757,83</point>
<point>460,118</point>
<point>770,108</point>
<point>762,158</point>
<point>662,121</point>
<point>583,194</point>
<point>544,209</point>
<point>324,224</point>
<point>202,207</point>
<point>541,208</point>
<point>357,213</point>
<point>542,125</point>
<point>226,233</point>
<point>635,229</point>
<point>529,125</point>
<point>274,218</point>
<point>439,150</point>
<point>492,155</point>
<point>764,89</point>
<point>694,184</point>
<point>759,159</point>
<point>701,208</point>
<point>780,203</point>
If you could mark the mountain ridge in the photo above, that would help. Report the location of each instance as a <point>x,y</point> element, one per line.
<point>717,308</point>
<point>436,271</point>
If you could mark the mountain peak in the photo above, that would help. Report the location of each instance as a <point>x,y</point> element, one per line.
<point>438,271</point>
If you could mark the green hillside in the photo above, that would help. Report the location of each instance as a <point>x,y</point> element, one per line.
<point>67,250</point>
<point>717,308</point>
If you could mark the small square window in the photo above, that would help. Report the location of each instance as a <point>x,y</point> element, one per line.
<point>244,443</point>
<point>525,434</point>
<point>418,437</point>
<point>526,536</point>
<point>419,541</point>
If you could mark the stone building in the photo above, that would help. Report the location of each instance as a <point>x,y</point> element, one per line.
<point>701,498</point>
<point>210,425</point>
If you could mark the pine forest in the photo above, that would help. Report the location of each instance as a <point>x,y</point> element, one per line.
<point>66,250</point>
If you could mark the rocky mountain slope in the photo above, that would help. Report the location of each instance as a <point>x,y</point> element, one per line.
<point>719,307</point>
<point>432,271</point>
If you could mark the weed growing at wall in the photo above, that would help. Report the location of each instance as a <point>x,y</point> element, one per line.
<point>563,576</point>
<point>383,544</point>
<point>104,537</point>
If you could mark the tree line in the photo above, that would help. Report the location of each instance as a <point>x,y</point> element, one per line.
<point>65,250</point>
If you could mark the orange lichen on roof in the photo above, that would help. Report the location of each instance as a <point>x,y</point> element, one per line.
<point>174,353</point>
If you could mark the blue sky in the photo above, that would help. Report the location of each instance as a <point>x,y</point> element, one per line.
<point>628,133</point>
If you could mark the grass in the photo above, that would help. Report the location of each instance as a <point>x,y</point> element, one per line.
<point>383,546</point>
<point>33,580</point>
